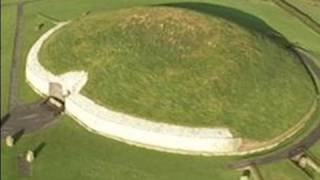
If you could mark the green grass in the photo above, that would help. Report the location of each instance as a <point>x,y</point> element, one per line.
<point>67,156</point>
<point>9,2</point>
<point>315,150</point>
<point>284,170</point>
<point>8,17</point>
<point>195,69</point>
<point>71,152</point>
<point>310,7</point>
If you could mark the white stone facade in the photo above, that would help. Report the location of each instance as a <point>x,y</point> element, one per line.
<point>39,78</point>
<point>119,126</point>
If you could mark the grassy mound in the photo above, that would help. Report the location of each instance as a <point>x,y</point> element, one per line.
<point>183,67</point>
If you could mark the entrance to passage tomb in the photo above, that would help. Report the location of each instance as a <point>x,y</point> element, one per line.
<point>56,97</point>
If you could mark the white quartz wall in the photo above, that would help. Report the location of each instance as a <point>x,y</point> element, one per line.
<point>149,134</point>
<point>129,129</point>
<point>39,78</point>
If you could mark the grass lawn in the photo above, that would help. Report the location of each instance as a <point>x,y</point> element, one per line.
<point>310,7</point>
<point>9,2</point>
<point>69,148</point>
<point>8,17</point>
<point>67,155</point>
<point>73,153</point>
<point>284,170</point>
<point>196,69</point>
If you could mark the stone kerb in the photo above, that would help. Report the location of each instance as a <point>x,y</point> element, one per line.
<point>151,135</point>
<point>39,78</point>
<point>36,75</point>
<point>125,128</point>
<point>132,130</point>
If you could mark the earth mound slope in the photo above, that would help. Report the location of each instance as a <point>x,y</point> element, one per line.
<point>183,67</point>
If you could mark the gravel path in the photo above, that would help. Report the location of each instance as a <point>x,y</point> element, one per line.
<point>25,117</point>
<point>16,59</point>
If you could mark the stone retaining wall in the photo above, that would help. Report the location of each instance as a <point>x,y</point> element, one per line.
<point>129,129</point>
<point>137,131</point>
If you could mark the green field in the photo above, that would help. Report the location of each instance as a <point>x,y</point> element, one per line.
<point>185,67</point>
<point>73,153</point>
<point>310,7</point>
<point>110,160</point>
<point>8,16</point>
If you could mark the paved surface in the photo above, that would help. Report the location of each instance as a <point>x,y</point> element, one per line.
<point>23,166</point>
<point>23,118</point>
<point>297,148</point>
<point>28,118</point>
<point>16,59</point>
<point>16,65</point>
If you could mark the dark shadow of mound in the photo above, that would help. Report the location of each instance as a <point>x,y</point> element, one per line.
<point>4,119</point>
<point>243,19</point>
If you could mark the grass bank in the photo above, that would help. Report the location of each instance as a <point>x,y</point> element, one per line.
<point>68,153</point>
<point>181,65</point>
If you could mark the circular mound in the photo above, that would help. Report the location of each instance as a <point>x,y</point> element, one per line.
<point>183,67</point>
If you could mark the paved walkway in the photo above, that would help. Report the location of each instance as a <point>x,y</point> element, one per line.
<point>24,167</point>
<point>29,117</point>
<point>23,118</point>
<point>16,59</point>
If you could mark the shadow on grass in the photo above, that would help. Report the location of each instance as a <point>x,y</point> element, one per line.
<point>18,135</point>
<point>4,119</point>
<point>38,149</point>
<point>243,19</point>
